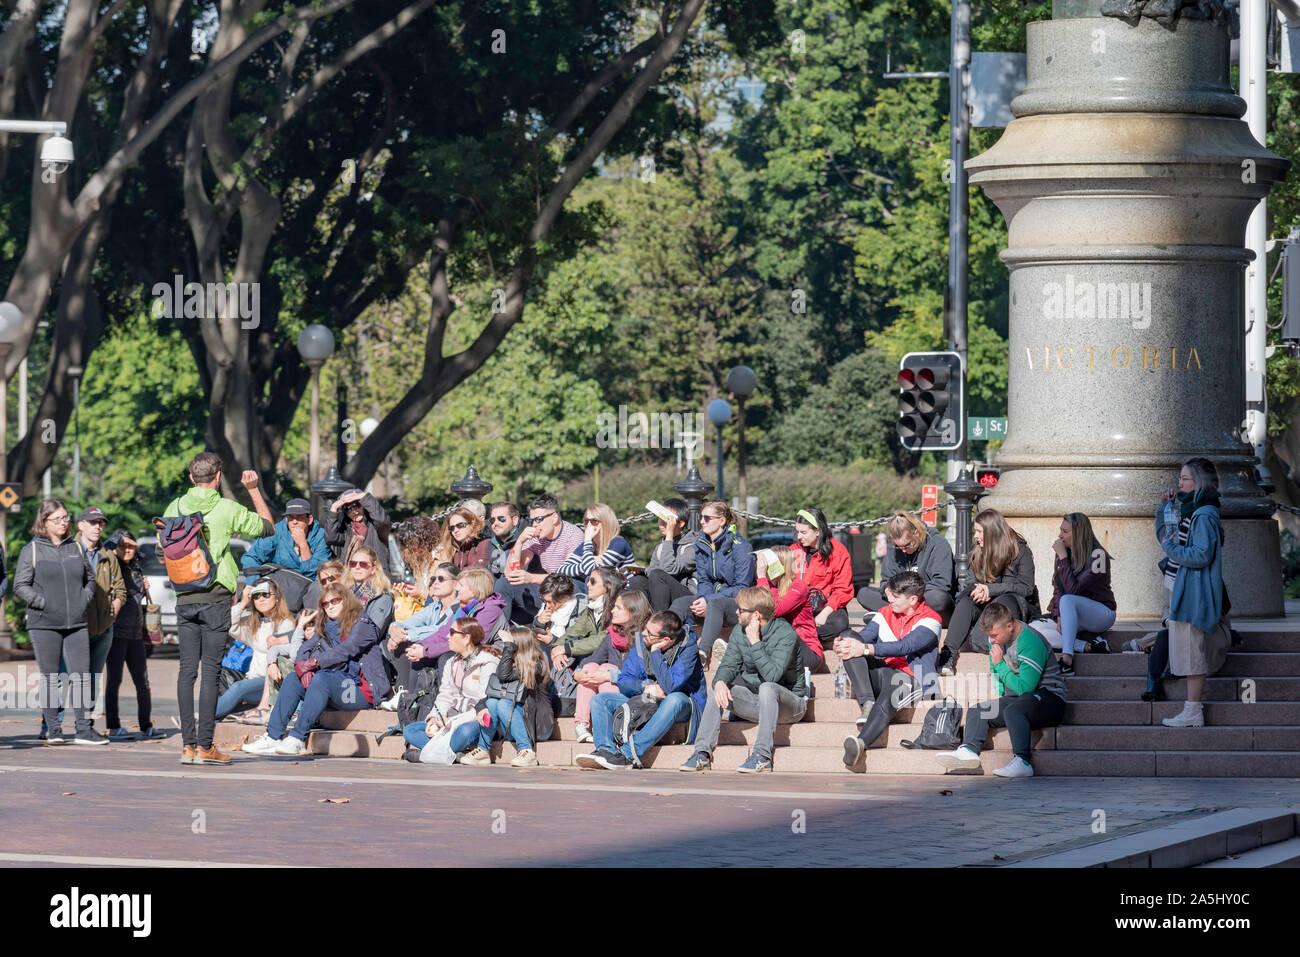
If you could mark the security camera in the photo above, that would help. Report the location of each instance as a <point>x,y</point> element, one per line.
<point>56,156</point>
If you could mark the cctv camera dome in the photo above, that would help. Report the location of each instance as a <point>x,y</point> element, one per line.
<point>57,151</point>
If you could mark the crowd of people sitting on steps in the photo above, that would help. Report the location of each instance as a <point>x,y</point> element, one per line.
<point>497,622</point>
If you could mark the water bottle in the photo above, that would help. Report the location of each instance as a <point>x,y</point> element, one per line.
<point>841,682</point>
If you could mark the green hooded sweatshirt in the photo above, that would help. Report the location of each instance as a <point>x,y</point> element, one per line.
<point>223,519</point>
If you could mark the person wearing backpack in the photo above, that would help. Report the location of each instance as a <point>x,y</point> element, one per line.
<point>57,583</point>
<point>1028,679</point>
<point>891,661</point>
<point>203,605</point>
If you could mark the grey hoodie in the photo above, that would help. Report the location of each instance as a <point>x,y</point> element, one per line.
<point>56,582</point>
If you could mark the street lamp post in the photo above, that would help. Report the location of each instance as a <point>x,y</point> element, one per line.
<point>315,345</point>
<point>75,373</point>
<point>694,489</point>
<point>719,411</point>
<point>11,327</point>
<point>471,486</point>
<point>740,383</point>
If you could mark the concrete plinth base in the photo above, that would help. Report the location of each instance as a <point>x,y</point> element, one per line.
<point>1252,566</point>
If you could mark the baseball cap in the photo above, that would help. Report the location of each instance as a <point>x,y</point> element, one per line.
<point>297,506</point>
<point>262,587</point>
<point>92,514</point>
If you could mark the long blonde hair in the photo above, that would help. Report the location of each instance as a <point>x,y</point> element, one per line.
<point>1001,546</point>
<point>532,663</point>
<point>787,577</point>
<point>379,582</point>
<point>280,614</point>
<point>608,526</point>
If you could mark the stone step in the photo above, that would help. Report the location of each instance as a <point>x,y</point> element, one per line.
<point>1274,635</point>
<point>1249,664</point>
<point>1281,854</point>
<point>1216,689</point>
<point>1160,738</point>
<point>1184,843</point>
<point>1261,713</point>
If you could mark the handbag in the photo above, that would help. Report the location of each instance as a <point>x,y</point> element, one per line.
<point>816,601</point>
<point>238,658</point>
<point>305,670</point>
<point>939,732</point>
<point>509,690</point>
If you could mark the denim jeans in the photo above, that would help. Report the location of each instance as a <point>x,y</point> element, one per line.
<point>502,710</point>
<point>672,709</point>
<point>1081,614</point>
<point>415,735</point>
<point>240,696</point>
<point>464,736</point>
<point>327,689</point>
<point>522,601</point>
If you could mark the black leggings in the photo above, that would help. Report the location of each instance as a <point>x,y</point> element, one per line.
<point>873,599</point>
<point>1019,714</point>
<point>808,659</point>
<point>890,689</point>
<point>131,652</point>
<point>965,623</point>
<point>659,587</point>
<point>837,621</point>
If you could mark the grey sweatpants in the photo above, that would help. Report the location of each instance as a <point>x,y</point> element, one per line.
<point>774,704</point>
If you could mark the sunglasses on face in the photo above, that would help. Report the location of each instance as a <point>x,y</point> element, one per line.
<point>441,578</point>
<point>591,521</point>
<point>459,525</point>
<point>262,594</point>
<point>593,580</point>
<point>331,602</point>
<point>329,579</point>
<point>360,565</point>
<point>537,520</point>
<point>710,518</point>
<point>461,633</point>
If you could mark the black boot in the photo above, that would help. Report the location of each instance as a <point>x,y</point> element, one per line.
<point>1155,691</point>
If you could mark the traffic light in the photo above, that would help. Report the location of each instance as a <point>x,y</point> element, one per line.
<point>987,475</point>
<point>930,413</point>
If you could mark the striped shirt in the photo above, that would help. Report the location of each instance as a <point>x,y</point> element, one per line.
<point>583,560</point>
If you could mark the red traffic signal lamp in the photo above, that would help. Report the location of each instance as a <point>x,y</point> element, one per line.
<point>930,413</point>
<point>987,475</point>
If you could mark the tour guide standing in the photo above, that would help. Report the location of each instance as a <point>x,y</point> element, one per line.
<point>203,617</point>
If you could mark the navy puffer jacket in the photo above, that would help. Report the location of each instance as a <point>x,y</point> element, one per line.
<point>723,567</point>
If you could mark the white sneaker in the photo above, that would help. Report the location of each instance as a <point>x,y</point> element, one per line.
<point>291,745</point>
<point>524,759</point>
<point>392,702</point>
<point>961,761</point>
<point>1187,718</point>
<point>717,652</point>
<point>263,744</point>
<point>582,734</point>
<point>1018,768</point>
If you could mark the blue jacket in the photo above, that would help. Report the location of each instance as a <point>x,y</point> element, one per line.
<point>278,549</point>
<point>428,620</point>
<point>724,568</point>
<point>359,656</point>
<point>686,674</point>
<point>1198,586</point>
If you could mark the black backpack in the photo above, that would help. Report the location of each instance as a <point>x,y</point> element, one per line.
<point>417,701</point>
<point>942,728</point>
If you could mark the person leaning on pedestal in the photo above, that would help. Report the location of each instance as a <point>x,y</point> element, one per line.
<point>1189,530</point>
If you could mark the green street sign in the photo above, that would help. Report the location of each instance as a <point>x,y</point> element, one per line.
<point>982,427</point>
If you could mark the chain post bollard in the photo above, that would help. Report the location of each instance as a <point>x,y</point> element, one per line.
<point>694,489</point>
<point>965,492</point>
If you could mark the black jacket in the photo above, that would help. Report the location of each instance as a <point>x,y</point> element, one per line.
<point>56,582</point>
<point>932,561</point>
<point>1017,582</point>
<point>339,534</point>
<point>539,716</point>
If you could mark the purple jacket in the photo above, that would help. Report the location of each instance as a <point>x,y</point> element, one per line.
<point>486,611</point>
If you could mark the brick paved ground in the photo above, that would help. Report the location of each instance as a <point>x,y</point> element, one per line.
<point>135,802</point>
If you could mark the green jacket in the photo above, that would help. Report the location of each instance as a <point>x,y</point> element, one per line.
<point>223,519</point>
<point>582,638</point>
<point>774,658</point>
<point>109,585</point>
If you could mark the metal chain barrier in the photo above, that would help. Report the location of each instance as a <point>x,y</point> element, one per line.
<point>1287,508</point>
<point>770,520</point>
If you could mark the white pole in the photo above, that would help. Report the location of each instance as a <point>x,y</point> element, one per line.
<point>22,398</point>
<point>1253,76</point>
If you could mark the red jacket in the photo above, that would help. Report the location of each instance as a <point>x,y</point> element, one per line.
<point>793,607</point>
<point>833,577</point>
